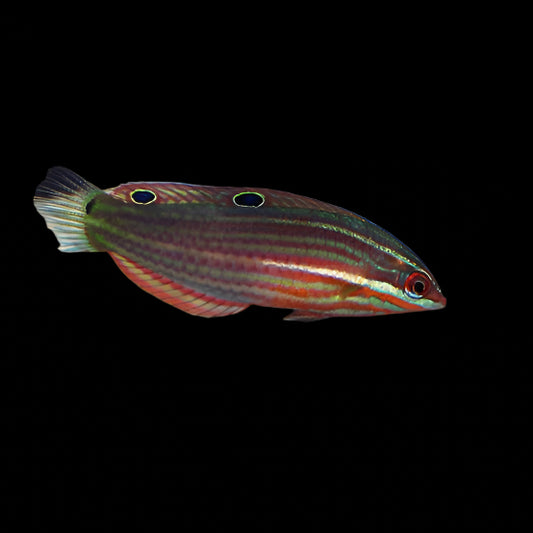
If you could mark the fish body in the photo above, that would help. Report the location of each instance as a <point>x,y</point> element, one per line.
<point>213,251</point>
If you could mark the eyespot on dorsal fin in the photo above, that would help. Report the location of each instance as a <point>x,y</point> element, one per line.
<point>143,196</point>
<point>249,199</point>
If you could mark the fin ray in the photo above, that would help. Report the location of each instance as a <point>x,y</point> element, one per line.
<point>61,200</point>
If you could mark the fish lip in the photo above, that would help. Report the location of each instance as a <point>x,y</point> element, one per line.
<point>440,301</point>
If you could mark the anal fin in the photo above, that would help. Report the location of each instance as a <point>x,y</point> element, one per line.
<point>185,299</point>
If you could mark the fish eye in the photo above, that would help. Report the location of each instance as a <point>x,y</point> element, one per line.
<point>143,196</point>
<point>249,199</point>
<point>417,285</point>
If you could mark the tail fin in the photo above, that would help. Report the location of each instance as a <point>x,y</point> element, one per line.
<point>62,199</point>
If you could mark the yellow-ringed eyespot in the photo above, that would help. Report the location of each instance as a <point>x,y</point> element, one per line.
<point>249,199</point>
<point>143,196</point>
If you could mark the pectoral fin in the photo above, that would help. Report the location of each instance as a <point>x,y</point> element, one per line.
<point>301,315</point>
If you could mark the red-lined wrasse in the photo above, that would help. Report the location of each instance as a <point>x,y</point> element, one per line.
<point>214,251</point>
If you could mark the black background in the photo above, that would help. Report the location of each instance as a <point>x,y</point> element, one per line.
<point>120,408</point>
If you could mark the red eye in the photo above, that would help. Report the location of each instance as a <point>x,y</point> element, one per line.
<point>417,285</point>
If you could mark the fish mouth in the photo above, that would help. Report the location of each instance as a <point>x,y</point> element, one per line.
<point>438,300</point>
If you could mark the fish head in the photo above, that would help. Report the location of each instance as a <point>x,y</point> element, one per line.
<point>396,280</point>
<point>419,289</point>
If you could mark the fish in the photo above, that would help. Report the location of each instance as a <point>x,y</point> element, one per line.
<point>213,251</point>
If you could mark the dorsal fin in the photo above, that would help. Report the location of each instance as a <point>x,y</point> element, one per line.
<point>188,300</point>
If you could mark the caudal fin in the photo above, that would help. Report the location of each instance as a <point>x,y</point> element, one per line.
<point>62,199</point>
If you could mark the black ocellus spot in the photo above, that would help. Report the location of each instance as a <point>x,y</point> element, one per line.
<point>249,199</point>
<point>143,196</point>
